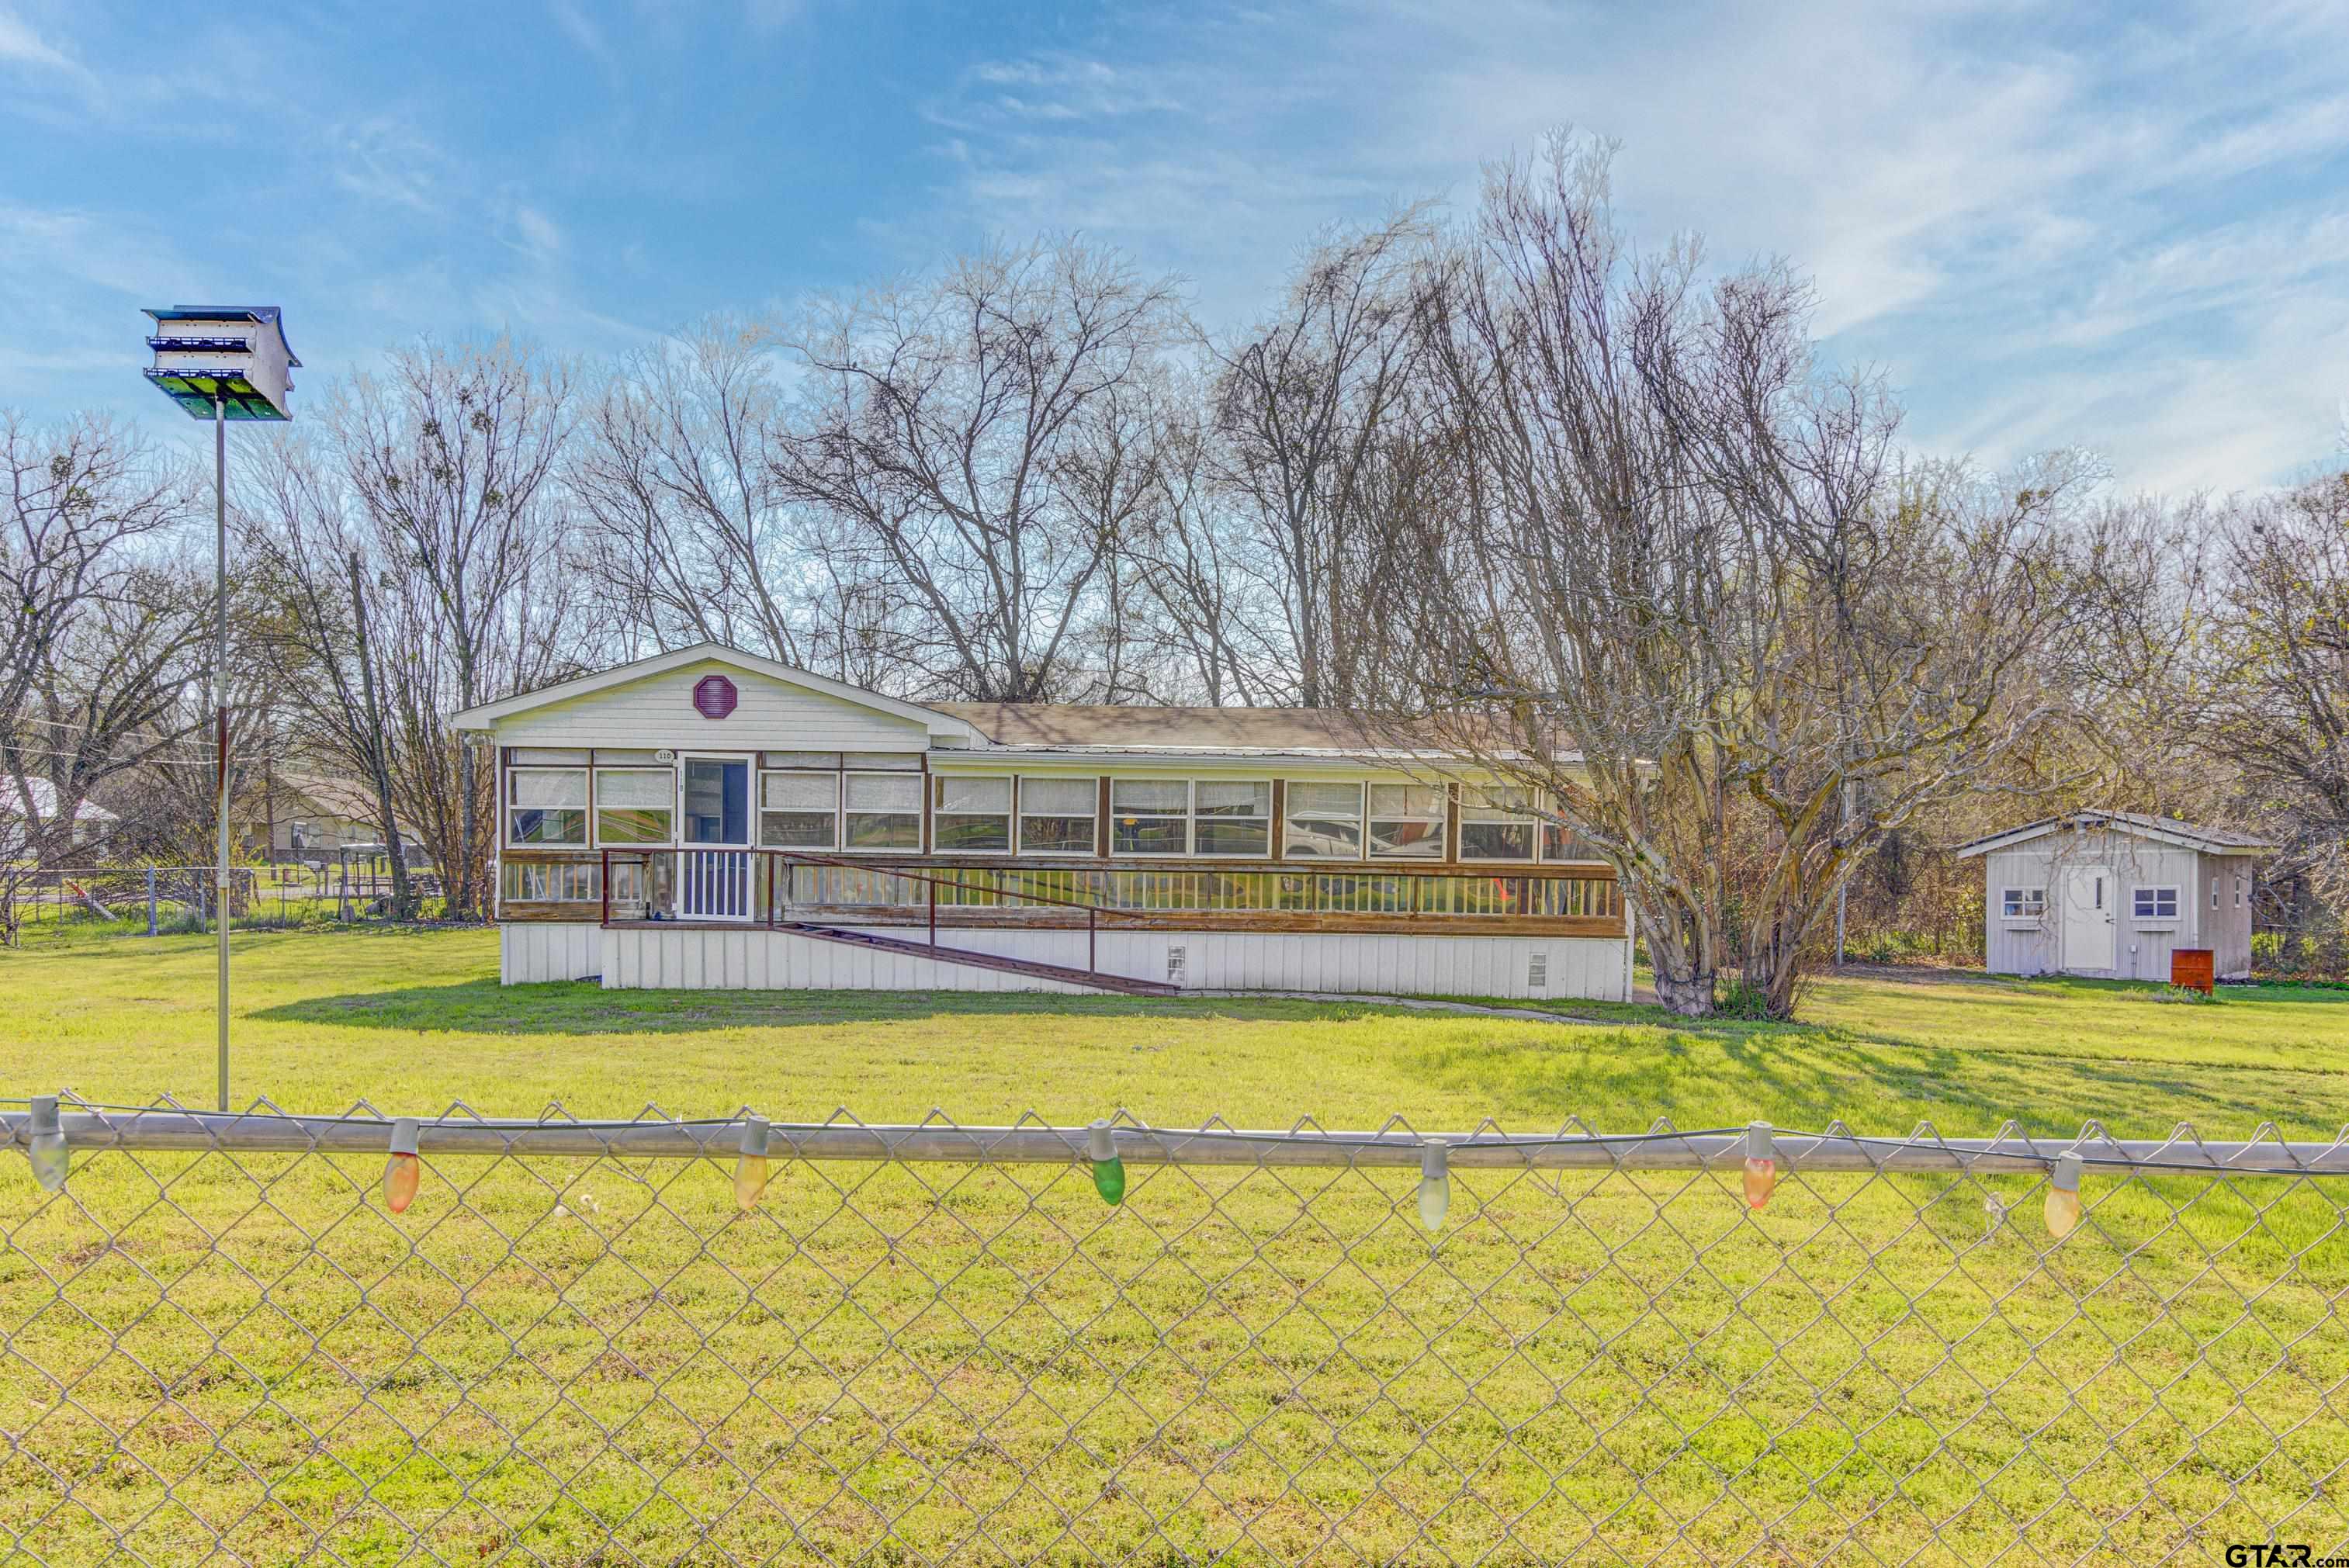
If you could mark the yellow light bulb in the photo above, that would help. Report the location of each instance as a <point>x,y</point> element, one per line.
<point>2062,1209</point>
<point>751,1165</point>
<point>749,1180</point>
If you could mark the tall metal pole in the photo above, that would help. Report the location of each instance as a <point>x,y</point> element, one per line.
<point>220,708</point>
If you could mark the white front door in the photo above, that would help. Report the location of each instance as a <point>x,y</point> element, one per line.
<point>713,871</point>
<point>2088,938</point>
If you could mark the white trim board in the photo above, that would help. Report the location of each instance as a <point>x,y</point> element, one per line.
<point>937,725</point>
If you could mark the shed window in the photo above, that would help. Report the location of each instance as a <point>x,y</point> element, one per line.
<point>1407,821</point>
<point>1150,816</point>
<point>2239,892</point>
<point>884,811</point>
<point>2024,903</point>
<point>1235,818</point>
<point>1057,815</point>
<point>2156,903</point>
<point>1497,824</point>
<point>971,814</point>
<point>546,806</point>
<point>799,811</point>
<point>635,805</point>
<point>1324,823</point>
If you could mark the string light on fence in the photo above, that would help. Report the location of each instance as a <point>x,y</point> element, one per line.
<point>1761,1165</point>
<point>1434,1184</point>
<point>47,1149</point>
<point>751,1166</point>
<point>403,1173</point>
<point>1108,1169</point>
<point>2063,1196</point>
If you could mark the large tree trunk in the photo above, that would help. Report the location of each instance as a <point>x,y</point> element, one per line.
<point>403,897</point>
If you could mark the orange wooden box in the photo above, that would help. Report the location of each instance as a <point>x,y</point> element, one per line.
<point>2190,968</point>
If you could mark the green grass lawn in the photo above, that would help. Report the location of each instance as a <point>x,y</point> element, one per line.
<point>415,1019</point>
<point>586,1361</point>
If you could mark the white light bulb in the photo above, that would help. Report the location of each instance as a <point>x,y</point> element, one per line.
<point>1434,1184</point>
<point>49,1145</point>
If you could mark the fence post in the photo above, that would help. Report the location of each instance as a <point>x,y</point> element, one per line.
<point>151,901</point>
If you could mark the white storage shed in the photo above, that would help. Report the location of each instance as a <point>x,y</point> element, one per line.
<point>2113,894</point>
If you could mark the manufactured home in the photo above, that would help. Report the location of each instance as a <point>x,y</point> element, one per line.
<point>2114,894</point>
<point>710,819</point>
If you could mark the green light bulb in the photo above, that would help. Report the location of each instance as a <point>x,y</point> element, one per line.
<point>1108,1171</point>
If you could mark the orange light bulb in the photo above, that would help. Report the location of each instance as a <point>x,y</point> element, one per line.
<point>1761,1164</point>
<point>402,1175</point>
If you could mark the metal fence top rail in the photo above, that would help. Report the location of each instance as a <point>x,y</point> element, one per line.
<point>656,1135</point>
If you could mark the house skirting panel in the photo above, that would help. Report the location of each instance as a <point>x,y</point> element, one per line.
<point>752,958</point>
<point>544,950</point>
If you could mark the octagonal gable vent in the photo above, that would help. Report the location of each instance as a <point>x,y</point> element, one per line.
<point>714,696</point>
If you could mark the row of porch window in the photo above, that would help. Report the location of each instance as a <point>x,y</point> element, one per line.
<point>650,881</point>
<point>1213,818</point>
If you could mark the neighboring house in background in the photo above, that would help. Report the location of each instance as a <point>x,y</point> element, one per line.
<point>710,819</point>
<point>2113,894</point>
<point>90,824</point>
<point>311,817</point>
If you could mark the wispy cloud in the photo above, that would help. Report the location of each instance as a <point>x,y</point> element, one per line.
<point>2092,226</point>
<point>20,46</point>
<point>580,29</point>
<point>384,159</point>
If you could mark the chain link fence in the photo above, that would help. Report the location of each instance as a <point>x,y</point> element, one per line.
<point>600,1343</point>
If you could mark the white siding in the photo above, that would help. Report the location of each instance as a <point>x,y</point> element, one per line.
<point>2021,946</point>
<point>2142,948</point>
<point>546,951</point>
<point>657,710</point>
<point>1594,968</point>
<point>2146,945</point>
<point>758,960</point>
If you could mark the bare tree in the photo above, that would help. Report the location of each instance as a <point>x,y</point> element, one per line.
<point>1215,616</point>
<point>943,440</point>
<point>693,537</point>
<point>1308,406</point>
<point>303,545</point>
<point>450,455</point>
<point>103,636</point>
<point>2275,706</point>
<point>1696,603</point>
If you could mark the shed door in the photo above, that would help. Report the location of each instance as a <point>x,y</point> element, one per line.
<point>2088,895</point>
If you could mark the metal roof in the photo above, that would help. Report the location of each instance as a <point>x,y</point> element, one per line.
<point>2135,824</point>
<point>268,314</point>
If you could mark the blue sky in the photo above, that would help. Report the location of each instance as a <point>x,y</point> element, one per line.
<point>2118,226</point>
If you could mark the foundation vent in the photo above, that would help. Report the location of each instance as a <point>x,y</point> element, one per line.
<point>1538,971</point>
<point>1177,958</point>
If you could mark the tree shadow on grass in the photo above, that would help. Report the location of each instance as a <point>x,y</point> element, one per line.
<point>1807,1077</point>
<point>582,1008</point>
